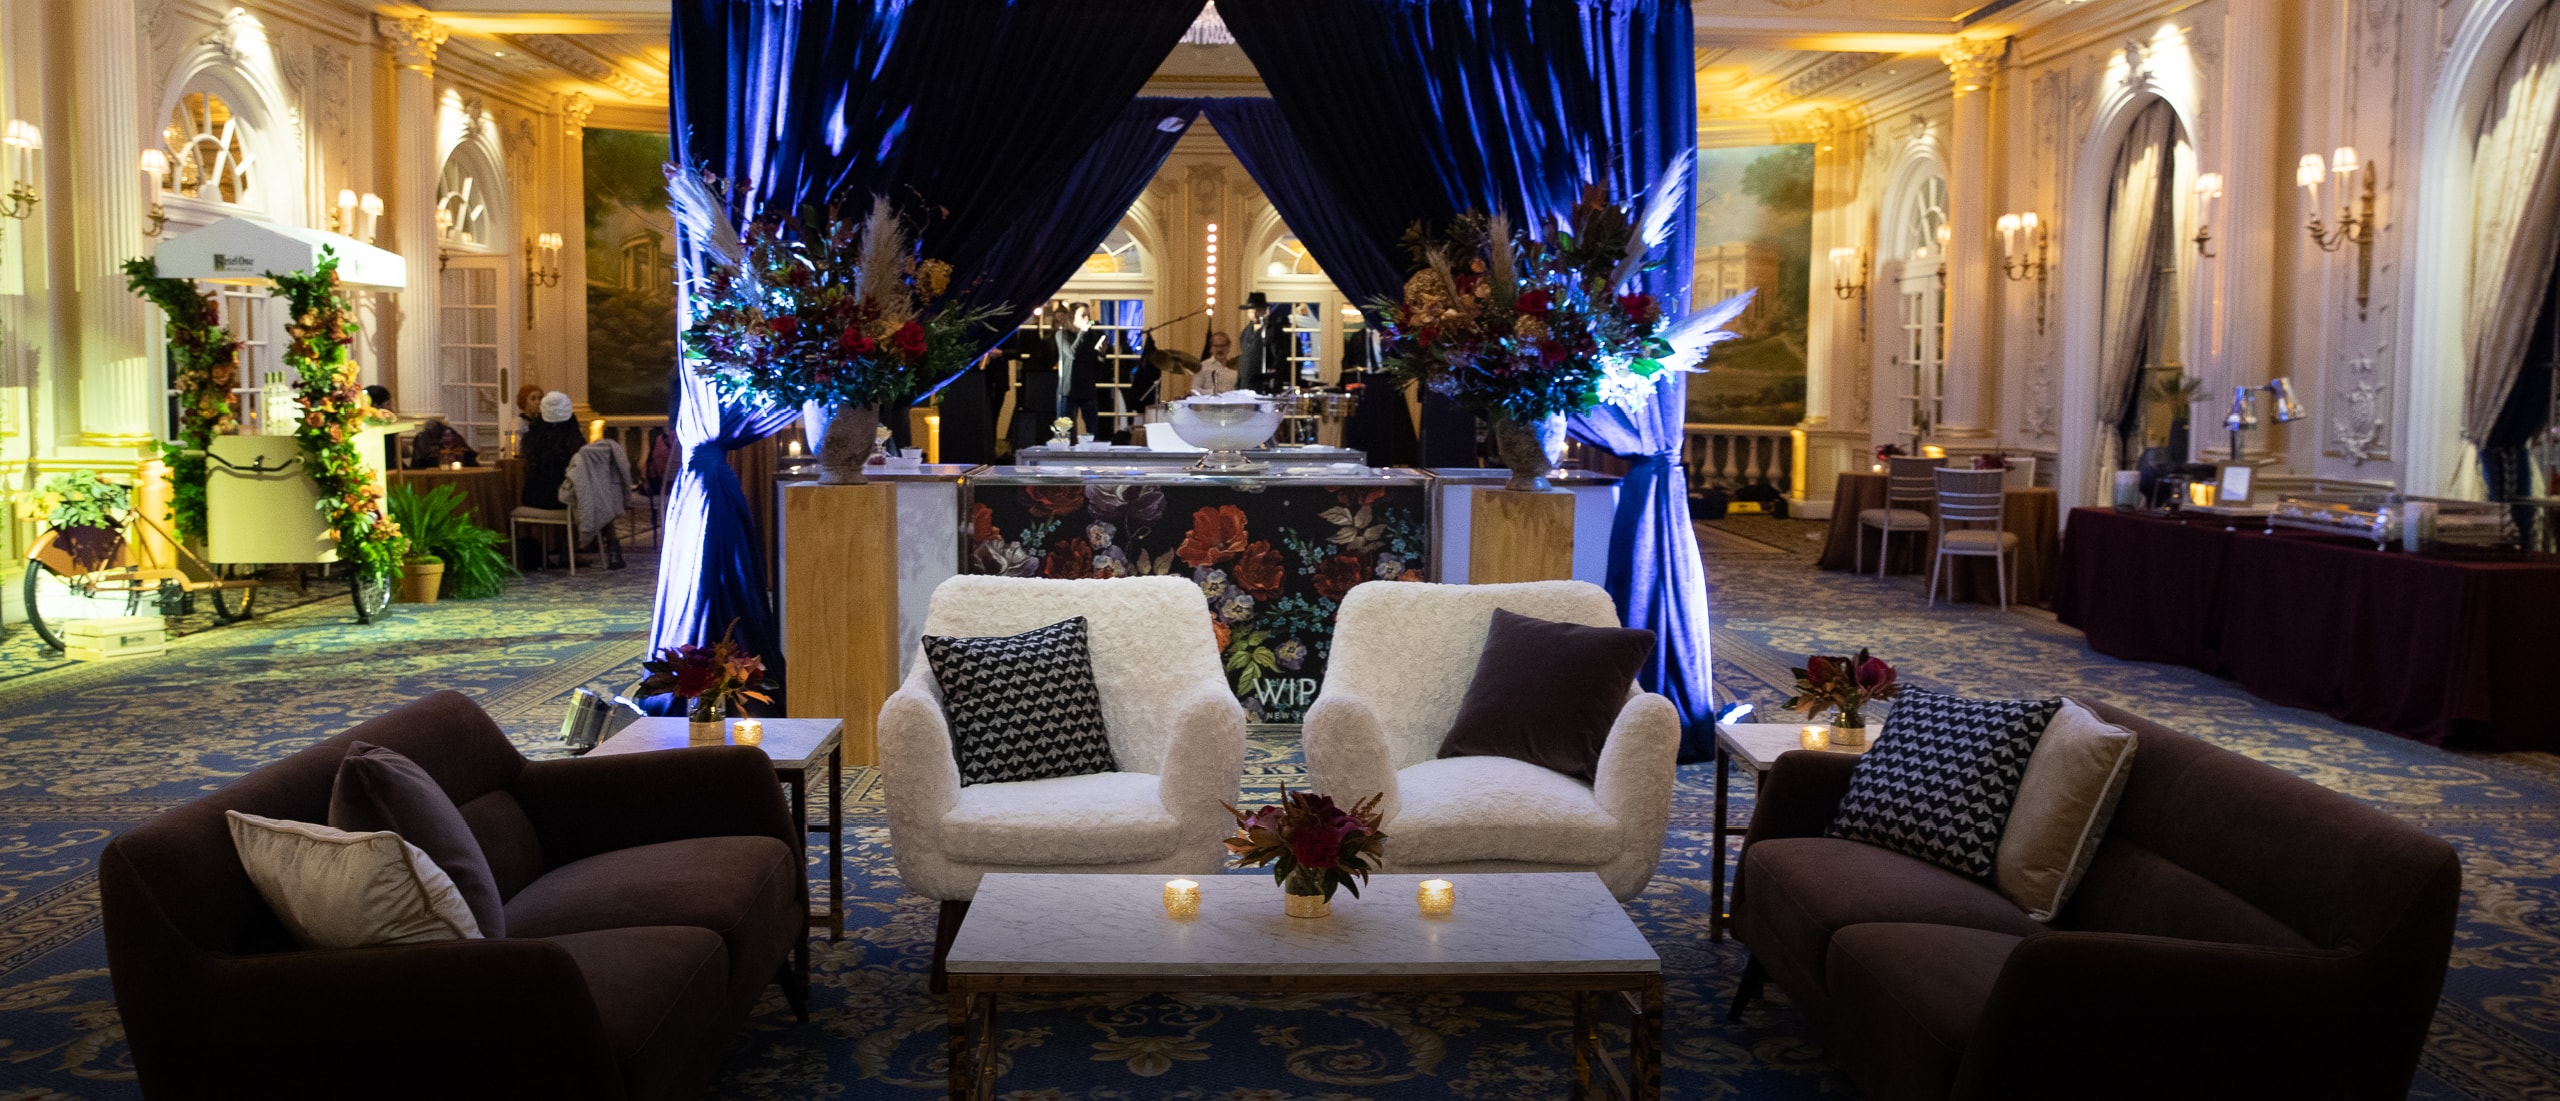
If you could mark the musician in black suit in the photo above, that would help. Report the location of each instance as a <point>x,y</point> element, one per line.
<point>1081,370</point>
<point>1262,348</point>
<point>1034,351</point>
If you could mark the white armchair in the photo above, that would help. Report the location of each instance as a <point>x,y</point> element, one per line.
<point>1175,729</point>
<point>1403,655</point>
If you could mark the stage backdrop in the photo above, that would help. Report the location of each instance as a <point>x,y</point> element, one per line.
<point>1755,232</point>
<point>631,253</point>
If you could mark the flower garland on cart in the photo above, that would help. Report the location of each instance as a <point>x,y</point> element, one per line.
<point>1523,331</point>
<point>333,412</point>
<point>204,359</point>
<point>836,315</point>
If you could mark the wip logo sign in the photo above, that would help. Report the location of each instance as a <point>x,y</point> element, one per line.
<point>231,262</point>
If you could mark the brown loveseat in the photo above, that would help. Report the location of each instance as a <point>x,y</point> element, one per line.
<point>2241,933</point>
<point>649,900</point>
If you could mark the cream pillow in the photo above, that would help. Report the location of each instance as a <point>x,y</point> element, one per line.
<point>336,889</point>
<point>2073,780</point>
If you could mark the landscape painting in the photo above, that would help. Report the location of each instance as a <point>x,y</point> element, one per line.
<point>631,304</point>
<point>1755,232</point>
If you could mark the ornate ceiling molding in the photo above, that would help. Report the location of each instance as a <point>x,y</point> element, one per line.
<point>574,109</point>
<point>566,53</point>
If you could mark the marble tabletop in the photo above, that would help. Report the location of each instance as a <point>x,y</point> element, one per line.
<point>1756,746</point>
<point>792,743</point>
<point>1527,923</point>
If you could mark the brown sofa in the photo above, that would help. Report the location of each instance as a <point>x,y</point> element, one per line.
<point>650,899</point>
<point>2241,933</point>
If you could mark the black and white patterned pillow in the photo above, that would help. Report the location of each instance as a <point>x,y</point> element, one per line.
<point>1940,779</point>
<point>1022,707</point>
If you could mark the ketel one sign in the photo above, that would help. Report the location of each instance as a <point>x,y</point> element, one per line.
<point>227,262</point>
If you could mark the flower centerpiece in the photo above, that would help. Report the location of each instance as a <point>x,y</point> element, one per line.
<point>835,315</point>
<point>1313,847</point>
<point>1523,329</point>
<point>713,677</point>
<point>1847,684</point>
<point>85,514</point>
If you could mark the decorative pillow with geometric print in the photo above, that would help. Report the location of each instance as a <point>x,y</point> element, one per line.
<point>1941,777</point>
<point>1022,707</point>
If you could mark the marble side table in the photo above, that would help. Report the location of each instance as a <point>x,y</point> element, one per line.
<point>1066,933</point>
<point>1756,746</point>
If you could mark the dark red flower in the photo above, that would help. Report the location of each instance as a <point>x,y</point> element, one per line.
<point>854,342</point>
<point>1357,497</point>
<point>1875,678</point>
<point>1536,300</point>
<point>1337,574</point>
<point>785,325</point>
<point>1818,669</point>
<point>1637,306</point>
<point>909,340</point>
<point>1258,571</point>
<point>1216,535</point>
<point>1316,848</point>
<point>1047,501</point>
<point>1070,560</point>
<point>982,524</point>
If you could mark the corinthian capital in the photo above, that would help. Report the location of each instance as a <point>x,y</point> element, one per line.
<point>1972,62</point>
<point>574,109</point>
<point>412,41</point>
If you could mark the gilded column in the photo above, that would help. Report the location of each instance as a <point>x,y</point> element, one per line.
<point>572,318</point>
<point>119,388</point>
<point>412,43</point>
<point>2240,305</point>
<point>1972,383</point>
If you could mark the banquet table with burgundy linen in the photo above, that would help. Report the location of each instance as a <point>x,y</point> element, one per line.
<point>2033,515</point>
<point>2426,647</point>
<point>489,493</point>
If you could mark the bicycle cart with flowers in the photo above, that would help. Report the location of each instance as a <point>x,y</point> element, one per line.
<point>97,550</point>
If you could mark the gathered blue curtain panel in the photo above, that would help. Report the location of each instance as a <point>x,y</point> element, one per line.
<point>965,113</point>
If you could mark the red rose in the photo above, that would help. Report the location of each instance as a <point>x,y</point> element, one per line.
<point>1637,306</point>
<point>1069,560</point>
<point>1536,300</point>
<point>909,340</point>
<point>1216,535</point>
<point>1047,501</point>
<point>853,341</point>
<point>785,325</point>
<point>1337,574</point>
<point>1316,848</point>
<point>982,524</point>
<point>1258,572</point>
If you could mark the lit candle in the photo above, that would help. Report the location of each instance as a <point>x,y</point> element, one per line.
<point>794,448</point>
<point>1181,897</point>
<point>747,732</point>
<point>1932,451</point>
<point>1815,737</point>
<point>1875,468</point>
<point>2203,494</point>
<point>1436,896</point>
<point>457,465</point>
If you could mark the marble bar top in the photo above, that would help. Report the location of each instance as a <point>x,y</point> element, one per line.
<point>1507,923</point>
<point>1314,474</point>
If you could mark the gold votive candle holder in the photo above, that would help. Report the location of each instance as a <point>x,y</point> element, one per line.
<point>1436,896</point>
<point>747,732</point>
<point>2203,494</point>
<point>1816,736</point>
<point>1182,897</point>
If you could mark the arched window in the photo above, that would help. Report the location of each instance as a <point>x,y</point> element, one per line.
<point>1289,257</point>
<point>209,150</point>
<point>462,205</point>
<point>1921,238</point>
<point>1118,254</point>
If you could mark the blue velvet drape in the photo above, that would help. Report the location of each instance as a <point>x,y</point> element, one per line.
<point>1333,234</point>
<point>1416,111</point>
<point>963,112</point>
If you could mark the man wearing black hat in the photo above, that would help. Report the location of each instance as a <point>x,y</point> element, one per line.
<point>1262,348</point>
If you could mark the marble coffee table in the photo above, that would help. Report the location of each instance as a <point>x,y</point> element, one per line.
<point>1060,934</point>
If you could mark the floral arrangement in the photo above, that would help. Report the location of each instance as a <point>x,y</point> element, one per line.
<point>1846,683</point>
<point>85,513</point>
<point>326,383</point>
<point>714,677</point>
<point>1519,328</point>
<point>204,359</point>
<point>1313,846</point>
<point>819,307</point>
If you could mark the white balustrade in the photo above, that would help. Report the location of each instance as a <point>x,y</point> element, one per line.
<point>1736,455</point>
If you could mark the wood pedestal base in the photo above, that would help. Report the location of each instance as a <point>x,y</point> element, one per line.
<point>840,579</point>
<point>1519,537</point>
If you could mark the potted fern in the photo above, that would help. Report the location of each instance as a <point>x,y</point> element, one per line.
<point>445,545</point>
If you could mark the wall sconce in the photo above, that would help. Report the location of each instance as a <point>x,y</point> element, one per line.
<point>23,140</point>
<point>342,218</point>
<point>371,204</point>
<point>1946,235</point>
<point>1849,280</point>
<point>155,176</point>
<point>541,269</point>
<point>444,226</point>
<point>2355,224</point>
<point>2013,259</point>
<point>2208,189</point>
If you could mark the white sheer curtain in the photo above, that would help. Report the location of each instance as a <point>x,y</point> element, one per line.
<point>2142,176</point>
<point>2515,220</point>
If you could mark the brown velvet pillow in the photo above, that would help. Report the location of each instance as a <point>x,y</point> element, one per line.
<point>1547,693</point>
<point>380,791</point>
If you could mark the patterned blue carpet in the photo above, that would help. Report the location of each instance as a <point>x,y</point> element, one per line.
<point>86,750</point>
